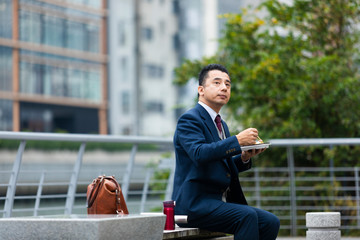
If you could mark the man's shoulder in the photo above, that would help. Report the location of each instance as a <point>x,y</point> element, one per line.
<point>197,109</point>
<point>194,112</point>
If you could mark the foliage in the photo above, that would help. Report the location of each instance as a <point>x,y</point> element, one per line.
<point>57,145</point>
<point>294,73</point>
<point>159,180</point>
<point>160,175</point>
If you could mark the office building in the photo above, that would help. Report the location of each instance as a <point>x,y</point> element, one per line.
<point>144,53</point>
<point>53,66</point>
<point>101,66</point>
<point>148,39</point>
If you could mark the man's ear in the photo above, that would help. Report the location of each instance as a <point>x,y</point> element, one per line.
<point>201,90</point>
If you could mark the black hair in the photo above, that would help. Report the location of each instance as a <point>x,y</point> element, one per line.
<point>204,72</point>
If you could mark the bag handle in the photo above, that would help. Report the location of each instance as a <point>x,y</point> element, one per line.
<point>118,198</point>
<point>98,184</point>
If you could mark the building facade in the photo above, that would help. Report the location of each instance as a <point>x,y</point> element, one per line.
<point>148,39</point>
<point>101,66</point>
<point>144,53</point>
<point>53,66</point>
<point>198,37</point>
<point>123,90</point>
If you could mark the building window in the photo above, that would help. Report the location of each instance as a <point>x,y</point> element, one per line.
<point>53,31</point>
<point>6,115</point>
<point>30,27</point>
<point>75,35</point>
<point>90,3</point>
<point>92,41</point>
<point>125,102</point>
<point>154,107</point>
<point>147,33</point>
<point>75,89</point>
<point>5,69</point>
<point>176,6</point>
<point>121,33</point>
<point>50,77</point>
<point>92,86</point>
<point>176,41</point>
<point>124,76</point>
<point>31,78</point>
<point>153,71</point>
<point>59,32</point>
<point>5,18</point>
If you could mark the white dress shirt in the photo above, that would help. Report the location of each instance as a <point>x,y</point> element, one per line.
<point>213,115</point>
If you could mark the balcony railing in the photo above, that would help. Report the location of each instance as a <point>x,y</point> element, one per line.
<point>30,186</point>
<point>72,183</point>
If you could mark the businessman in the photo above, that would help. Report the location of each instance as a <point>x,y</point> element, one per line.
<point>208,161</point>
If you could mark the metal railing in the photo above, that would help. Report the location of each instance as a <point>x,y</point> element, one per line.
<point>72,185</point>
<point>320,187</point>
<point>296,193</point>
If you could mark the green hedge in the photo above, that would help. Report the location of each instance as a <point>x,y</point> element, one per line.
<point>57,145</point>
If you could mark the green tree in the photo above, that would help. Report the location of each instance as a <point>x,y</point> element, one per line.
<point>294,74</point>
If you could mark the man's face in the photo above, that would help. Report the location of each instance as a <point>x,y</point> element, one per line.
<point>216,89</point>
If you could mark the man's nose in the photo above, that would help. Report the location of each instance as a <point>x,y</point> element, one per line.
<point>223,86</point>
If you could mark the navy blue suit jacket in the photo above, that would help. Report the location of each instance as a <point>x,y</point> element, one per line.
<point>205,165</point>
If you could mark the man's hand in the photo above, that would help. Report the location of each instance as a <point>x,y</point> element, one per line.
<point>247,137</point>
<point>246,155</point>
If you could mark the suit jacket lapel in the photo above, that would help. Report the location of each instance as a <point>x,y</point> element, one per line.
<point>211,127</point>
<point>226,129</point>
<point>208,122</point>
<point>228,161</point>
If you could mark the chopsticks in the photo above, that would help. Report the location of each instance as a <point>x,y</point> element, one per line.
<point>259,139</point>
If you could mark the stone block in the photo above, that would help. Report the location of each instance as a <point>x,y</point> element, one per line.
<point>91,227</point>
<point>323,235</point>
<point>323,220</point>
<point>323,226</point>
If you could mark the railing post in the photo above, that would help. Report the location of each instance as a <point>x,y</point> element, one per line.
<point>332,175</point>
<point>10,193</point>
<point>293,211</point>
<point>356,169</point>
<point>127,175</point>
<point>170,184</point>
<point>145,189</point>
<point>38,195</point>
<point>331,165</point>
<point>73,181</point>
<point>257,188</point>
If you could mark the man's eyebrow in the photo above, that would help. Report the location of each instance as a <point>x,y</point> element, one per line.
<point>219,78</point>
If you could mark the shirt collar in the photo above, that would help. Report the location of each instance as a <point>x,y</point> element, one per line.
<point>211,111</point>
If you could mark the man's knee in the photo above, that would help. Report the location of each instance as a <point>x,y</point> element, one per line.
<point>273,225</point>
<point>251,216</point>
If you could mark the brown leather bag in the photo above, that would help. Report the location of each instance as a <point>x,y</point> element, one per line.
<point>104,196</point>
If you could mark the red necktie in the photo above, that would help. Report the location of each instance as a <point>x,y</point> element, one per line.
<point>218,123</point>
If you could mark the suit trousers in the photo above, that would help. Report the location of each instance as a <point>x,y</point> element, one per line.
<point>243,221</point>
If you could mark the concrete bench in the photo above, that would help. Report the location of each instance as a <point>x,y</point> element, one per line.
<point>188,233</point>
<point>323,226</point>
<point>194,233</point>
<point>90,227</point>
